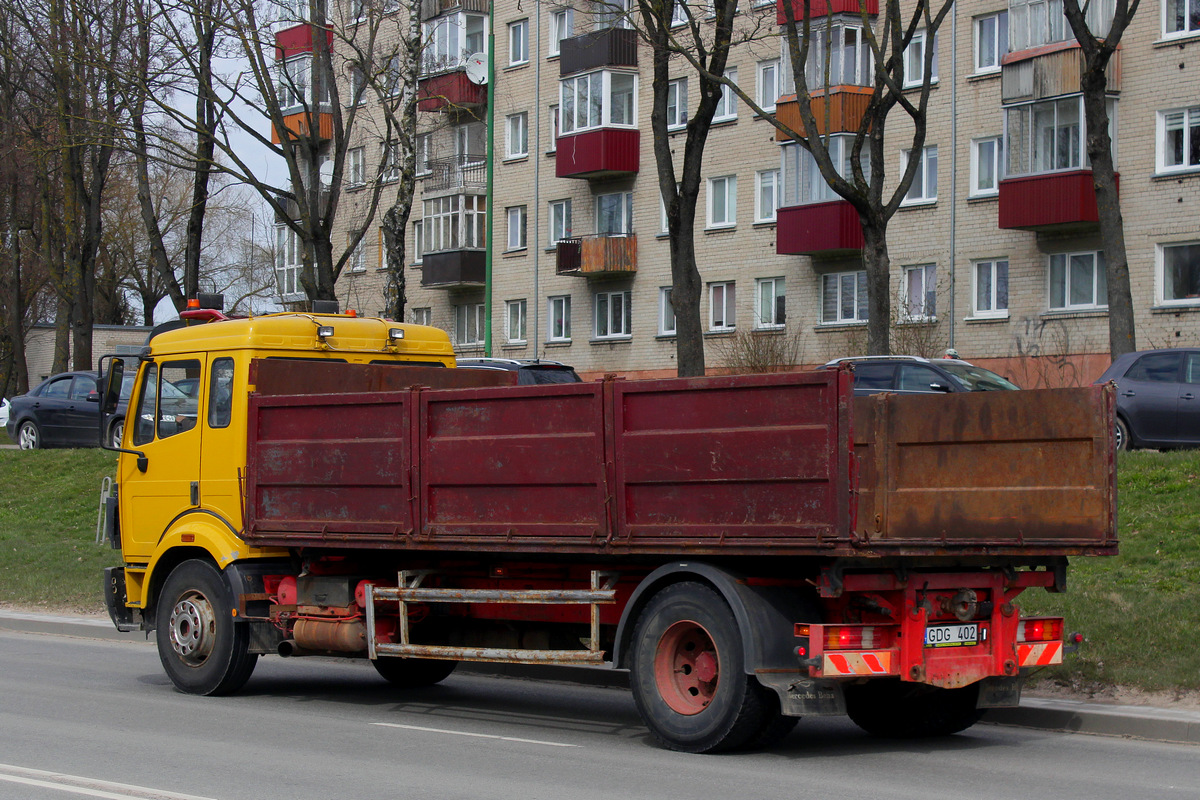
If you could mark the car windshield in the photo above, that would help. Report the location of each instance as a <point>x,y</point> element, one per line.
<point>976,379</point>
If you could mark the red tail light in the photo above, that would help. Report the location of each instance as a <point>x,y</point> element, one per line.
<point>1040,629</point>
<point>858,637</point>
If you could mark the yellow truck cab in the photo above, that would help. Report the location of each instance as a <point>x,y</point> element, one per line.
<point>183,448</point>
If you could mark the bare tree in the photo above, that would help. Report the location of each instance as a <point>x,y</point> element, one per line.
<point>1097,54</point>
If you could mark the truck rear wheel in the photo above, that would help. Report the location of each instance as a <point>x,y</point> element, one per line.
<point>896,710</point>
<point>201,648</point>
<point>413,673</point>
<point>687,674</point>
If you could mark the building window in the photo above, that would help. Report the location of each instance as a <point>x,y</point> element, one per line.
<point>768,84</point>
<point>516,321</point>
<point>666,312</point>
<point>1033,23</point>
<point>914,60</point>
<point>770,303</point>
<point>677,103</point>
<point>1180,17</point>
<point>613,315</point>
<point>727,105</point>
<point>470,142</point>
<point>518,135</point>
<point>358,256</point>
<point>920,293</point>
<point>986,165</point>
<point>390,169</point>
<point>516,227</point>
<point>355,166</point>
<point>1179,137</point>
<point>802,180</point>
<point>518,42</point>
<point>1078,281</point>
<point>295,77</point>
<point>613,14</point>
<point>289,261</point>
<point>450,38</point>
<point>924,185</point>
<point>614,214</point>
<point>680,13</point>
<point>468,324</point>
<point>597,99</point>
<point>1179,268</point>
<point>991,288</point>
<point>560,318</point>
<point>722,310</point>
<point>455,222</point>
<point>766,195</point>
<point>722,202</point>
<point>849,57</point>
<point>560,221</point>
<point>991,41</point>
<point>421,316</point>
<point>424,150</point>
<point>553,120</point>
<point>844,297</point>
<point>561,23</point>
<point>1047,136</point>
<point>418,248</point>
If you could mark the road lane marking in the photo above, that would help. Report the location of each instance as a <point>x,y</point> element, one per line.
<point>89,787</point>
<point>474,735</point>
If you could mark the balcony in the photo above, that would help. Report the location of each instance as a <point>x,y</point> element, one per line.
<point>598,154</point>
<point>598,255</point>
<point>456,174</point>
<point>822,8</point>
<point>612,47</point>
<point>454,269</point>
<point>297,125</point>
<point>846,106</point>
<point>435,8</point>
<point>449,90</point>
<point>296,40</point>
<point>830,228</point>
<point>1054,201</point>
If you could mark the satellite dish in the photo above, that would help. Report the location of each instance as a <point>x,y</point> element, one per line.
<point>326,174</point>
<point>476,69</point>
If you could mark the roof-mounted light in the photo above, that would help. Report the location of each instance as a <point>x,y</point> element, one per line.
<point>395,334</point>
<point>324,332</point>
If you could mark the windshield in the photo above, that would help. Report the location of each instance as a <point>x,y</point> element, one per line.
<point>976,379</point>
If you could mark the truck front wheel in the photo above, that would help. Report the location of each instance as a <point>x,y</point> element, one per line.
<point>687,673</point>
<point>201,649</point>
<point>896,710</point>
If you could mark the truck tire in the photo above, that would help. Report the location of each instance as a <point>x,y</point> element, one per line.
<point>687,673</point>
<point>896,710</point>
<point>201,648</point>
<point>413,673</point>
<point>775,726</point>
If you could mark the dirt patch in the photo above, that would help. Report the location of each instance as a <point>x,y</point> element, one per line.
<point>1183,700</point>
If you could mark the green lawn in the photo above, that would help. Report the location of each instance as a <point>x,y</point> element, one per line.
<point>1138,610</point>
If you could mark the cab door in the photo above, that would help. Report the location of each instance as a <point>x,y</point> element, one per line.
<point>163,424</point>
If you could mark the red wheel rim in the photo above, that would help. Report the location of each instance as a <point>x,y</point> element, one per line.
<point>686,668</point>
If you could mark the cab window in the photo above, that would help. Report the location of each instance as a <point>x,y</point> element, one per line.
<point>220,394</point>
<point>164,409</point>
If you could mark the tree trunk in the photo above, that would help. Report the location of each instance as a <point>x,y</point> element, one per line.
<point>879,290</point>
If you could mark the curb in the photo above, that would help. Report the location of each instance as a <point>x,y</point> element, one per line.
<point>1071,716</point>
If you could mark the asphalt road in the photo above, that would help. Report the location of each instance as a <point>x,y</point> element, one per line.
<point>85,718</point>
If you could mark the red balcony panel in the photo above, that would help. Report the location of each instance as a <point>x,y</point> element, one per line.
<point>449,90</point>
<point>296,40</point>
<point>1034,202</point>
<point>820,8</point>
<point>602,153</point>
<point>818,228</point>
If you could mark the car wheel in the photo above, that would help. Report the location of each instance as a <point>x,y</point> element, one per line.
<point>116,432</point>
<point>28,436</point>
<point>1122,436</point>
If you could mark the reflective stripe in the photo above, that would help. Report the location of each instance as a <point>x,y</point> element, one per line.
<point>867,662</point>
<point>1039,654</point>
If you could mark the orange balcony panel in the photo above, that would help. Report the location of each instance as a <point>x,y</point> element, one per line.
<point>296,40</point>
<point>1055,200</point>
<point>449,90</point>
<point>826,228</point>
<point>592,256</point>
<point>603,153</point>
<point>297,125</point>
<point>846,105</point>
<point>821,8</point>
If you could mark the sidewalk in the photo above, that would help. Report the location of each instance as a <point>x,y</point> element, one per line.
<point>1136,722</point>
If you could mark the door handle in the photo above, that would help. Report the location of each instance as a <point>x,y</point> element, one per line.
<point>1128,393</point>
<point>1188,396</point>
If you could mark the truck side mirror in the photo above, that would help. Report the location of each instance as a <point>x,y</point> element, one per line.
<point>112,387</point>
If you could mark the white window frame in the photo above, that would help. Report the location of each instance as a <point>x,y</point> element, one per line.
<point>468,316</point>
<point>450,39</point>
<point>722,306</point>
<point>517,135</point>
<point>421,316</point>
<point>801,180</point>
<point>914,60</point>
<point>294,82</point>
<point>613,14</point>
<point>985,164</point>
<point>677,104</point>
<point>722,201</point>
<point>518,218</point>
<point>1098,281</point>
<point>358,256</point>
<point>389,171</point>
<point>515,321</point>
<point>1188,125</point>
<point>991,41</point>
<point>1190,298</point>
<point>922,308</point>
<point>289,262</point>
<point>666,312</point>
<point>987,299</point>
<point>424,148</point>
<point>614,320</point>
<point>558,326</point>
<point>769,315</point>
<point>833,37</point>
<point>356,166</point>
<point>558,219</point>
<point>768,83</point>
<point>1171,29</point>
<point>418,249</point>
<point>923,190</point>
<point>848,288</point>
<point>562,24</point>
<point>624,210</point>
<point>579,112</point>
<point>766,195</point>
<point>518,42</point>
<point>454,222</point>
<point>727,106</point>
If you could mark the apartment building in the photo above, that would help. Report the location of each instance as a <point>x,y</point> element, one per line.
<point>995,250</point>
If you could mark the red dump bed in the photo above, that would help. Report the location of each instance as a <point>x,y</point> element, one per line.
<point>787,464</point>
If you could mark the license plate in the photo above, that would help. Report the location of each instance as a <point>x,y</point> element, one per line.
<point>971,633</point>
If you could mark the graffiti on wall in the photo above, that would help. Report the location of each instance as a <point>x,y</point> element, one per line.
<point>1043,348</point>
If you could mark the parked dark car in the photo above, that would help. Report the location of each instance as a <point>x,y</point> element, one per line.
<point>1158,398</point>
<point>914,375</point>
<point>64,411</point>
<point>529,371</point>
